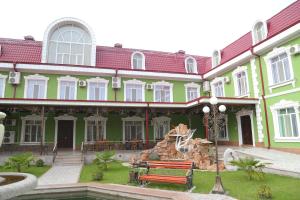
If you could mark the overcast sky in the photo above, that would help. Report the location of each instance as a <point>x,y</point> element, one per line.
<point>196,26</point>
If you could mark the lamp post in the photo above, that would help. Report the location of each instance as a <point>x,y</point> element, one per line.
<point>215,119</point>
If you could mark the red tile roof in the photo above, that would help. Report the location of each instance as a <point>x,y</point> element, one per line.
<point>120,58</point>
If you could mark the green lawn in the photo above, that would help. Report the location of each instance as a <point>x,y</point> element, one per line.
<point>236,183</point>
<point>37,171</point>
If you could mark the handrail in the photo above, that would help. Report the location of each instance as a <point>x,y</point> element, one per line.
<point>54,151</point>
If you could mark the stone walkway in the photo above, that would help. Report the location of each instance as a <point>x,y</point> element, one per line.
<point>61,174</point>
<point>281,162</point>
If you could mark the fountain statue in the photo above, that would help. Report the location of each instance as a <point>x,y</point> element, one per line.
<point>13,184</point>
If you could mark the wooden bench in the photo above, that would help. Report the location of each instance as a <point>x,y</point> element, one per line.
<point>187,180</point>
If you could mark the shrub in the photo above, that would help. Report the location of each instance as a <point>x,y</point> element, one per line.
<point>264,192</point>
<point>103,158</point>
<point>98,175</point>
<point>19,160</point>
<point>252,167</point>
<point>39,163</point>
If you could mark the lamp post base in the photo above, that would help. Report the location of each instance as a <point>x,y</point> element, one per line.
<point>218,187</point>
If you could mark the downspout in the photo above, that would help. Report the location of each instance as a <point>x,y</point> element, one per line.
<point>14,85</point>
<point>115,89</point>
<point>263,96</point>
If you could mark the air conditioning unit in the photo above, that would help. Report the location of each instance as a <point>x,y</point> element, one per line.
<point>226,79</point>
<point>149,86</point>
<point>82,83</point>
<point>295,49</point>
<point>9,137</point>
<point>116,82</point>
<point>14,77</point>
<point>206,86</point>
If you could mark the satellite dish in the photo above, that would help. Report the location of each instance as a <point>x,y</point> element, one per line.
<point>230,155</point>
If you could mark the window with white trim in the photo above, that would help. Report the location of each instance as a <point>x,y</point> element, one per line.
<point>32,129</point>
<point>223,132</point>
<point>287,120</point>
<point>138,60</point>
<point>240,78</point>
<point>161,126</point>
<point>133,130</point>
<point>190,65</point>
<point>70,44</point>
<point>216,58</point>
<point>93,133</point>
<point>218,89</point>
<point>134,92</point>
<point>67,89</point>
<point>163,91</point>
<point>259,32</point>
<point>35,86</point>
<point>97,91</point>
<point>280,68</point>
<point>2,85</point>
<point>192,91</point>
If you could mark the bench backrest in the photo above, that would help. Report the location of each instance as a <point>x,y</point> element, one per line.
<point>170,164</point>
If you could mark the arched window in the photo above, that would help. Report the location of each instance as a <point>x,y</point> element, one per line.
<point>259,32</point>
<point>69,41</point>
<point>216,58</point>
<point>190,65</point>
<point>138,61</point>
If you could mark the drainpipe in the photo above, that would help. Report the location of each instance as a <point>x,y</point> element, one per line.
<point>14,85</point>
<point>115,89</point>
<point>263,95</point>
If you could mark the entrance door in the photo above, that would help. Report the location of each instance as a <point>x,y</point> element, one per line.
<point>65,134</point>
<point>246,130</point>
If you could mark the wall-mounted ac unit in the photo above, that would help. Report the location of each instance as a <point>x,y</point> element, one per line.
<point>9,137</point>
<point>226,79</point>
<point>14,77</point>
<point>206,86</point>
<point>116,82</point>
<point>295,49</point>
<point>149,86</point>
<point>82,83</point>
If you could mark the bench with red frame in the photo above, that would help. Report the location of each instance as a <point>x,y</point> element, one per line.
<point>187,180</point>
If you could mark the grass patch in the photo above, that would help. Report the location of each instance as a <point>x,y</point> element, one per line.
<point>236,183</point>
<point>37,171</point>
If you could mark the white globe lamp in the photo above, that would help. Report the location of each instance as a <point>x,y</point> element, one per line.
<point>222,108</point>
<point>206,109</point>
<point>213,101</point>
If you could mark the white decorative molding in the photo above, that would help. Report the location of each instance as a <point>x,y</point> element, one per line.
<point>66,117</point>
<point>97,80</point>
<point>235,72</point>
<point>143,59</point>
<point>195,65</point>
<point>64,21</point>
<point>239,114</point>
<point>95,118</point>
<point>3,77</point>
<point>163,83</point>
<point>133,118</point>
<point>294,90</point>
<point>67,78</point>
<point>253,31</point>
<point>36,77</point>
<point>191,85</point>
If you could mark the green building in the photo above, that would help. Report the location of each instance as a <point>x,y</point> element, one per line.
<point>66,91</point>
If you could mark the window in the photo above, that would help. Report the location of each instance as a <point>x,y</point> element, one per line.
<point>216,58</point>
<point>259,32</point>
<point>2,85</point>
<point>163,92</point>
<point>241,81</point>
<point>97,89</point>
<point>223,133</point>
<point>192,91</point>
<point>67,88</point>
<point>70,44</point>
<point>161,126</point>
<point>32,129</point>
<point>92,132</point>
<point>138,60</point>
<point>218,87</point>
<point>134,90</point>
<point>35,87</point>
<point>190,65</point>
<point>287,121</point>
<point>133,129</point>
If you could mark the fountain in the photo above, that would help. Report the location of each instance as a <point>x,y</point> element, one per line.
<point>13,184</point>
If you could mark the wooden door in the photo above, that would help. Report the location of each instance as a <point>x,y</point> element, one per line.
<point>65,134</point>
<point>246,130</point>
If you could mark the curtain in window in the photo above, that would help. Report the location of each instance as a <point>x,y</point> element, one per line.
<point>133,130</point>
<point>36,89</point>
<point>190,65</point>
<point>287,121</point>
<point>1,87</point>
<point>218,87</point>
<point>161,129</point>
<point>33,131</point>
<point>134,92</point>
<point>242,83</point>
<point>97,91</point>
<point>67,89</point>
<point>137,61</point>
<point>92,135</point>
<point>162,93</point>
<point>280,68</point>
<point>192,93</point>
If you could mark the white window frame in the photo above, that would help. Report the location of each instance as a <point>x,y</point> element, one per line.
<point>135,119</point>
<point>32,117</point>
<point>163,83</point>
<point>137,82</point>
<point>194,64</point>
<point>215,81</point>
<point>235,72</point>
<point>191,85</point>
<point>283,104</point>
<point>213,63</point>
<point>67,78</point>
<point>97,80</point>
<point>4,77</point>
<point>143,60</point>
<point>101,119</point>
<point>38,78</point>
<point>268,57</point>
<point>254,32</point>
<point>226,124</point>
<point>156,121</point>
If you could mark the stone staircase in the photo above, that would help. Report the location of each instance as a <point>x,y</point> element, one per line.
<point>68,158</point>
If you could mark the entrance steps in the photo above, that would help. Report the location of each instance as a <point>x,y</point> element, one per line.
<point>68,158</point>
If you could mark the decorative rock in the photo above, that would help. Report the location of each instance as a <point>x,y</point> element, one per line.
<point>230,155</point>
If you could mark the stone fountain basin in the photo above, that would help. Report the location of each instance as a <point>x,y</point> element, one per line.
<point>25,183</point>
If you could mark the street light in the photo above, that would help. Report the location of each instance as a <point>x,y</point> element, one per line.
<point>215,119</point>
